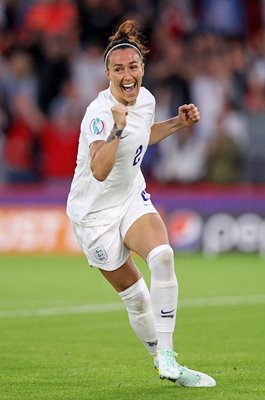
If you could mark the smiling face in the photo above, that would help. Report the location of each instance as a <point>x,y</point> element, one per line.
<point>125,71</point>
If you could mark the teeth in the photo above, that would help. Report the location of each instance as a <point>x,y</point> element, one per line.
<point>128,85</point>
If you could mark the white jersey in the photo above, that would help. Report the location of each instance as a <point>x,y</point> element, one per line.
<point>88,195</point>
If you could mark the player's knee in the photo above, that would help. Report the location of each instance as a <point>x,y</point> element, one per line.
<point>141,302</point>
<point>164,251</point>
<point>166,257</point>
<point>136,297</point>
<point>161,263</point>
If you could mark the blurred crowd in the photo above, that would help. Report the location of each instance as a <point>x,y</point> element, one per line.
<point>209,52</point>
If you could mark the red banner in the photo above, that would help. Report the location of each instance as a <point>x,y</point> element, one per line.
<point>36,230</point>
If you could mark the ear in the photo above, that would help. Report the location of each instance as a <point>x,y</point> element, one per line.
<point>107,73</point>
<point>143,68</point>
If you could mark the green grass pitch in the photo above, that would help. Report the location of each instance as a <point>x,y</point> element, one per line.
<point>54,347</point>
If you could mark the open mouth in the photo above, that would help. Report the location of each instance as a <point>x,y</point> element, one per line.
<point>129,87</point>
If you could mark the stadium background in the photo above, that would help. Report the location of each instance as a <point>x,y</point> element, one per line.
<point>208,182</point>
<point>64,334</point>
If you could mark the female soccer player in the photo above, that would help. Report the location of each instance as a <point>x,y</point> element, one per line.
<point>110,210</point>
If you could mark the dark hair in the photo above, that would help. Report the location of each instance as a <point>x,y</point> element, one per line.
<point>128,32</point>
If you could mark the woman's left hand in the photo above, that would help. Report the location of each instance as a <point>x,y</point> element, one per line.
<point>188,114</point>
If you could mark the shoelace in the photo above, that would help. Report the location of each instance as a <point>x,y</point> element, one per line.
<point>170,357</point>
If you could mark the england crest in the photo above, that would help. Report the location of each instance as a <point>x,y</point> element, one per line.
<point>100,254</point>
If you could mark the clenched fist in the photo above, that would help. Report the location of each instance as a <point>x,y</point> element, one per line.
<point>189,114</point>
<point>119,113</point>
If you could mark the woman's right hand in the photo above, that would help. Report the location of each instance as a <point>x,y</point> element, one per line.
<point>119,113</point>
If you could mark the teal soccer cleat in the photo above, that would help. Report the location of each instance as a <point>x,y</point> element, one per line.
<point>190,378</point>
<point>168,368</point>
<point>165,363</point>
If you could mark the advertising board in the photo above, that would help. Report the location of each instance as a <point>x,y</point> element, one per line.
<point>211,220</point>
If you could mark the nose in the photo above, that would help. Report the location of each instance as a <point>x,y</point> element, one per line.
<point>127,73</point>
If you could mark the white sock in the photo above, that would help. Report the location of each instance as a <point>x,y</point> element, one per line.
<point>164,293</point>
<point>138,303</point>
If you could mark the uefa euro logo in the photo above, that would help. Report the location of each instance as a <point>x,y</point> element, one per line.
<point>96,126</point>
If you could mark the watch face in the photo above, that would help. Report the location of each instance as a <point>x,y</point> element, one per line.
<point>118,132</point>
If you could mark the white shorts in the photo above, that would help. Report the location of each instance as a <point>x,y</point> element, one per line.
<point>101,238</point>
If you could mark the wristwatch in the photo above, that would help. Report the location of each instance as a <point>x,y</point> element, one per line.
<point>118,132</point>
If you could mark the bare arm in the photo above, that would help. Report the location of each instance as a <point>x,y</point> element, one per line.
<point>103,153</point>
<point>188,115</point>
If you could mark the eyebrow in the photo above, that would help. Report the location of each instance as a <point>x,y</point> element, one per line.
<point>130,63</point>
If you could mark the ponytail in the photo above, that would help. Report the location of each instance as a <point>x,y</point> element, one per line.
<point>128,34</point>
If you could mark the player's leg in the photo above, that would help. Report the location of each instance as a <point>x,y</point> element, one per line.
<point>104,249</point>
<point>147,236</point>
<point>131,287</point>
<point>144,232</point>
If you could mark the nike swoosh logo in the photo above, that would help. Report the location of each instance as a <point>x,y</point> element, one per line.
<point>152,343</point>
<point>167,312</point>
<point>123,137</point>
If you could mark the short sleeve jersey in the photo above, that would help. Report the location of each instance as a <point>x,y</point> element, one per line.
<point>88,195</point>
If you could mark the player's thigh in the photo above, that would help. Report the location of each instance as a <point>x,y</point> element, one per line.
<point>146,233</point>
<point>123,277</point>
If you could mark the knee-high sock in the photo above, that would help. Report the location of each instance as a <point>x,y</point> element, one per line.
<point>164,293</point>
<point>138,303</point>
